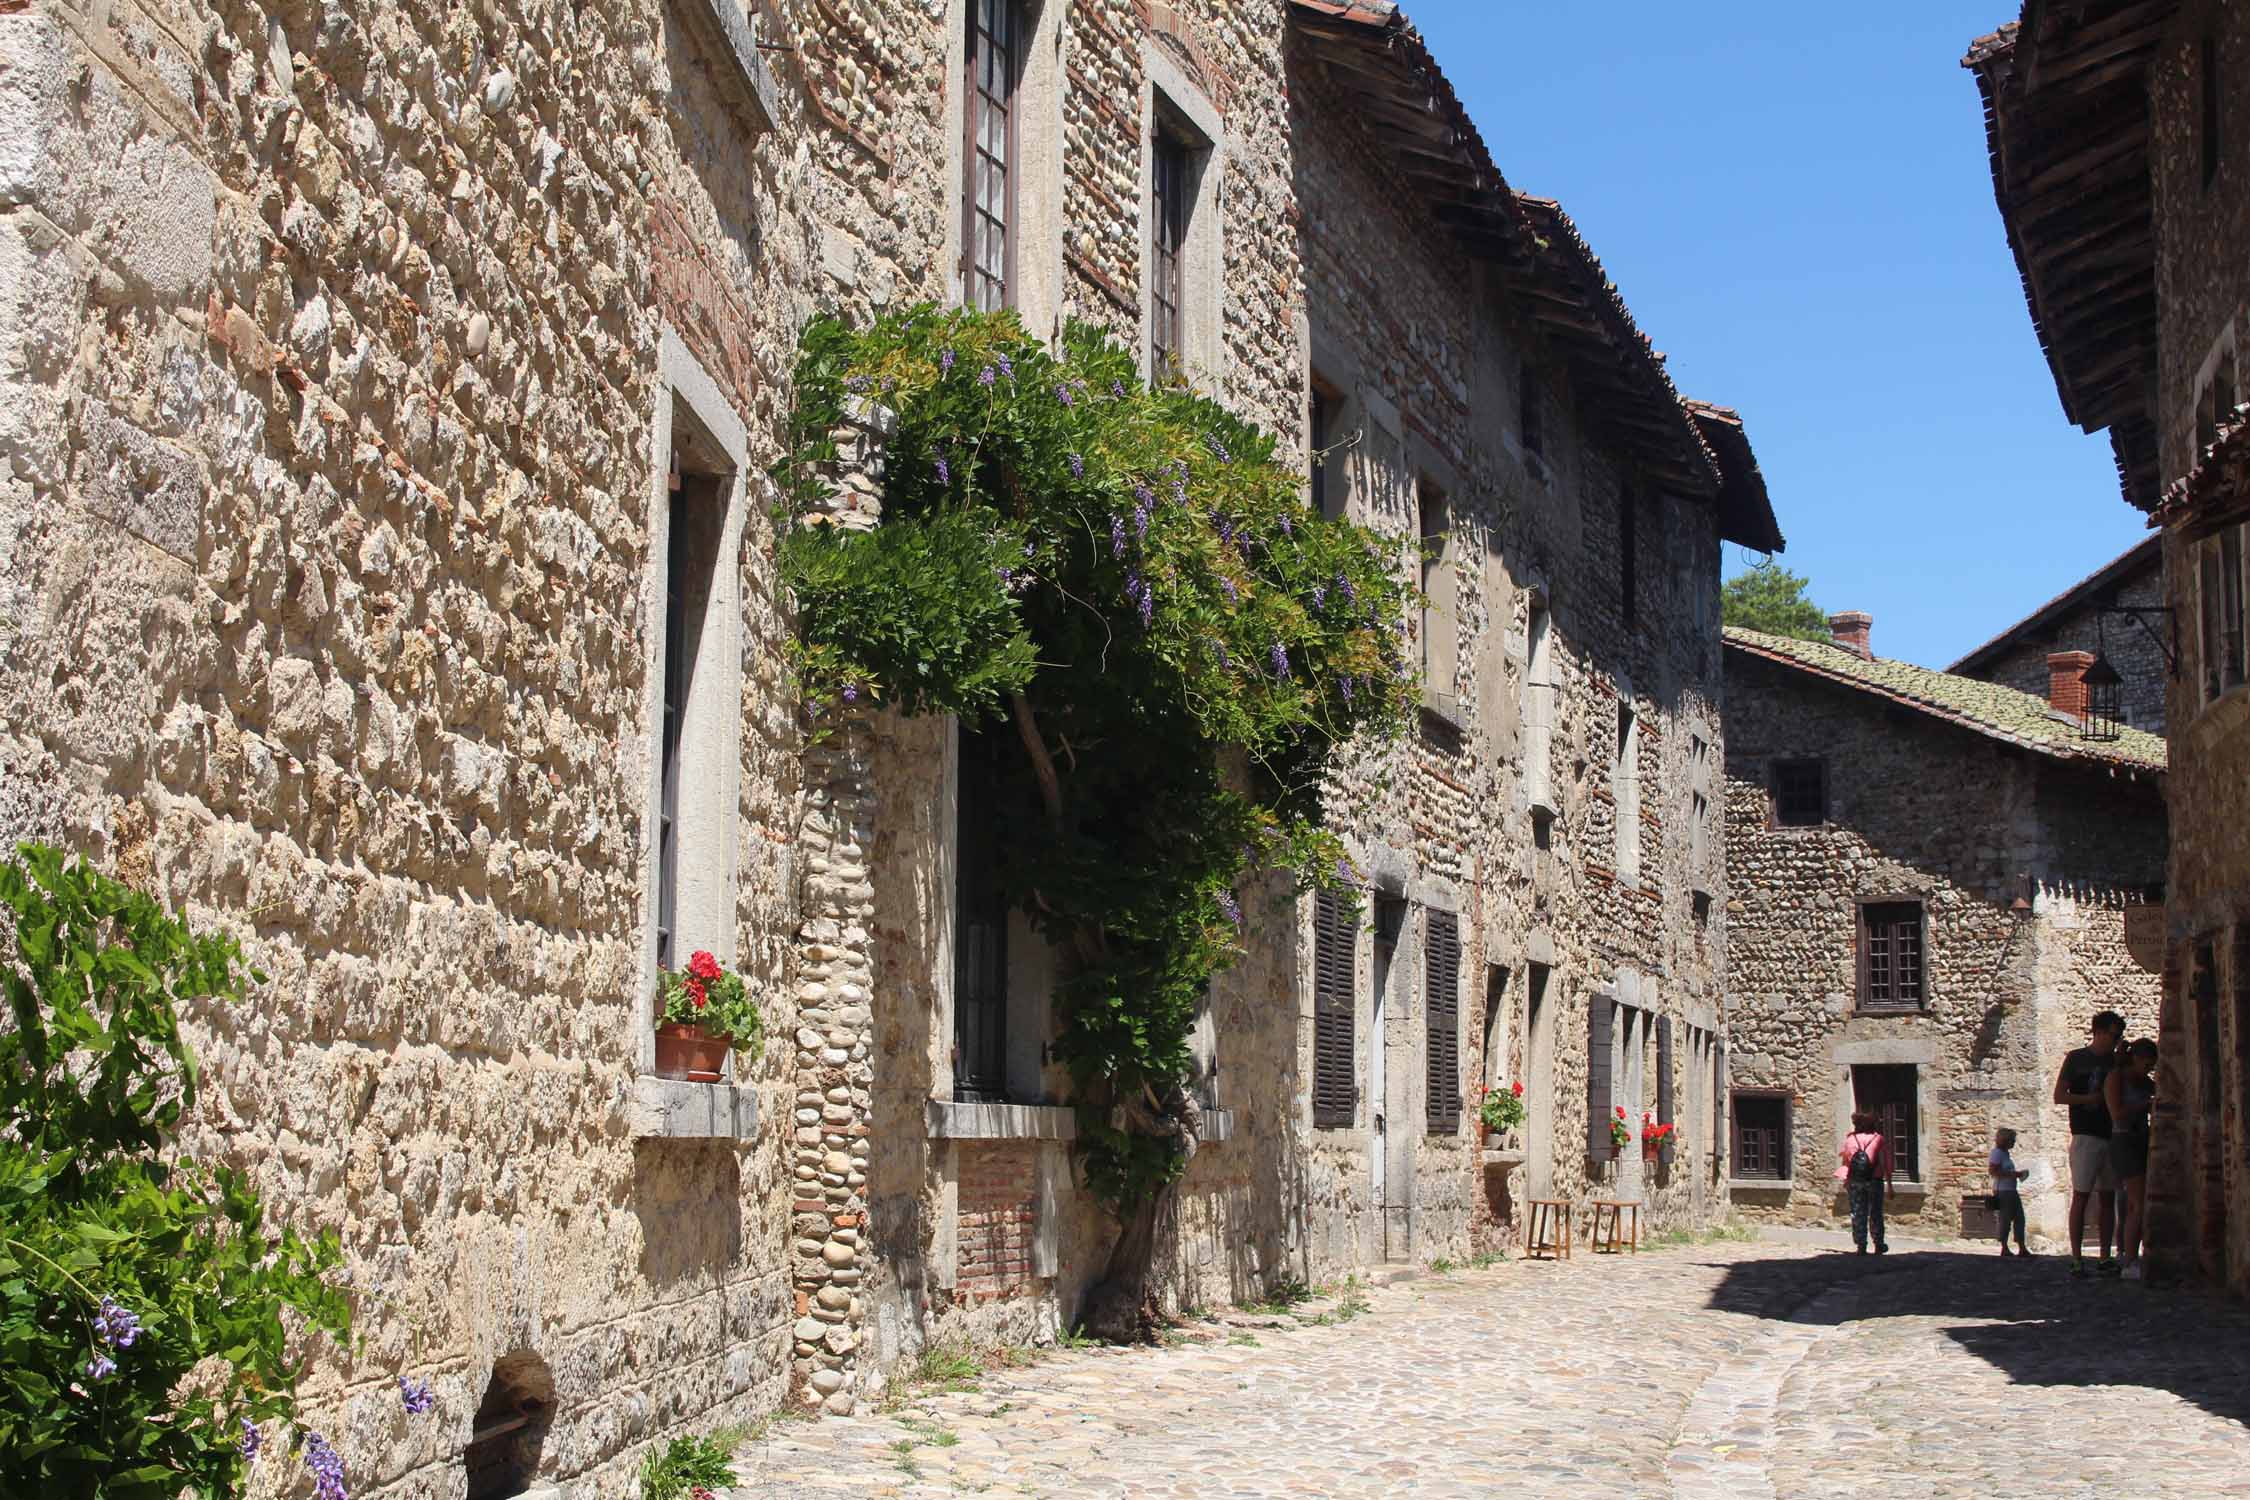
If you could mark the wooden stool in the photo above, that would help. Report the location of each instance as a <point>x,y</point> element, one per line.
<point>1546,1234</point>
<point>1609,1225</point>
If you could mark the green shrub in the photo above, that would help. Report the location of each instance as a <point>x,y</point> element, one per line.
<point>683,1466</point>
<point>124,1268</point>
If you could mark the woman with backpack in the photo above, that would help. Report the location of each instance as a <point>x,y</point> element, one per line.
<point>1864,1168</point>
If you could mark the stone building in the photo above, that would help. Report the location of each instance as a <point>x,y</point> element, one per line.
<point>2116,612</point>
<point>386,575</point>
<point>2118,160</point>
<point>1932,879</point>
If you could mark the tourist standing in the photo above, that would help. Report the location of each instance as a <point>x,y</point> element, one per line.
<point>2079,1086</point>
<point>1864,1168</point>
<point>2129,1092</point>
<point>2007,1189</point>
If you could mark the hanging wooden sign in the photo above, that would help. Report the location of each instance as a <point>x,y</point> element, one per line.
<point>2144,935</point>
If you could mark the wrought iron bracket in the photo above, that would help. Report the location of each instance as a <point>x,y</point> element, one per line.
<point>2168,641</point>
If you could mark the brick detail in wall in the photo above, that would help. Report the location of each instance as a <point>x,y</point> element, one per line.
<point>996,1220</point>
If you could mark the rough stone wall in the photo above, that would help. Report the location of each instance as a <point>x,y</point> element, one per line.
<point>2199,1176</point>
<point>2138,655</point>
<point>1923,810</point>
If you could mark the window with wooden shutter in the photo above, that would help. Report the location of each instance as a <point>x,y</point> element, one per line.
<point>1664,1083</point>
<point>1890,955</point>
<point>1335,1094</point>
<point>1442,1045</point>
<point>1761,1137</point>
<point>1601,1020</point>
<point>988,164</point>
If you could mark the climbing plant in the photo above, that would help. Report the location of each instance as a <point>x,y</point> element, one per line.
<point>1124,584</point>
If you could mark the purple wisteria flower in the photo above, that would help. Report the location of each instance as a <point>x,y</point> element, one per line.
<point>1062,394</point>
<point>1347,689</point>
<point>1007,576</point>
<point>1346,873</point>
<point>1137,590</point>
<point>984,376</point>
<point>1029,550</point>
<point>1319,595</point>
<point>1219,649</point>
<point>851,692</point>
<point>1116,536</point>
<point>327,1467</point>
<point>248,1442</point>
<point>117,1325</point>
<point>857,383</point>
<point>1144,494</point>
<point>1140,522</point>
<point>1007,366</point>
<point>101,1367</point>
<point>1344,586</point>
<point>1117,389</point>
<point>1077,466</point>
<point>1288,527</point>
<point>944,470</point>
<point>1226,587</point>
<point>945,362</point>
<point>1280,660</point>
<point>416,1396</point>
<point>1218,449</point>
<point>1231,907</point>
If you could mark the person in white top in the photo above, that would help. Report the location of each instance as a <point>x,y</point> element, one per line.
<point>2007,1189</point>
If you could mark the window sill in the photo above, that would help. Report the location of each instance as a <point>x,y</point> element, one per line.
<point>1760,1185</point>
<point>742,66</point>
<point>1513,1158</point>
<point>954,1120</point>
<point>1444,708</point>
<point>677,1110</point>
<point>1886,1012</point>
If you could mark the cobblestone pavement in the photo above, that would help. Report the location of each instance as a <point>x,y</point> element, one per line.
<point>1736,1370</point>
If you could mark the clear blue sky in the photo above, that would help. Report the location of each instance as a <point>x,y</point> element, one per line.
<point>1796,203</point>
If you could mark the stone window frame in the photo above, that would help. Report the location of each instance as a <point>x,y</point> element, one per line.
<point>691,409</point>
<point>1861,1004</point>
<point>1174,103</point>
<point>1625,785</point>
<point>1774,820</point>
<point>1540,710</point>
<point>1785,1146</point>
<point>1908,1167</point>
<point>1036,286</point>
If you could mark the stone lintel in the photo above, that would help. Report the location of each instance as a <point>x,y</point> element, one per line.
<point>675,1109</point>
<point>740,68</point>
<point>951,1120</point>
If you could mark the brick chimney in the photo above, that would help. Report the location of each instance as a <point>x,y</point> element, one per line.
<point>2066,681</point>
<point>1851,629</point>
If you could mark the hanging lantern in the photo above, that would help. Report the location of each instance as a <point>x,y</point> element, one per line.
<point>2105,702</point>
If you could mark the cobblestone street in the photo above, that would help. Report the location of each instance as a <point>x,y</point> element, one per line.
<point>1738,1370</point>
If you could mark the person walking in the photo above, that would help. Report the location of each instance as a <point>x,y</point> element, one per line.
<point>1864,1168</point>
<point>2079,1086</point>
<point>2129,1092</point>
<point>2007,1188</point>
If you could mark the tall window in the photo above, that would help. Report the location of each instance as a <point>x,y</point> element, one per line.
<point>1320,418</point>
<point>988,247</point>
<point>1664,1083</point>
<point>2223,621</point>
<point>1539,705</point>
<point>1335,1093</point>
<point>1169,199</point>
<point>679,664</point>
<point>980,929</point>
<point>1601,1074</point>
<point>2209,60</point>
<point>1527,412</point>
<point>696,526</point>
<point>1628,557</point>
<point>1890,964</point>
<point>1887,1092</point>
<point>1625,788</point>
<point>1440,651</point>
<point>1761,1136</point>
<point>1441,942</point>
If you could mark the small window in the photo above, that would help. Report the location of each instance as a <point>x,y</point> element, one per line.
<point>1625,788</point>
<point>1320,422</point>
<point>1886,1091</point>
<point>1761,1136</point>
<point>1170,198</point>
<point>1335,1092</point>
<point>988,197</point>
<point>1700,905</point>
<point>1891,969</point>
<point>1539,708</point>
<point>1441,933</point>
<point>1528,413</point>
<point>1440,649</point>
<point>2223,620</point>
<point>1800,793</point>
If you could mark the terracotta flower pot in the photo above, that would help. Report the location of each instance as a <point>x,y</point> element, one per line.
<point>690,1052</point>
<point>1651,1150</point>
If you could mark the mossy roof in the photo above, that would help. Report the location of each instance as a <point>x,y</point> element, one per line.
<point>2003,713</point>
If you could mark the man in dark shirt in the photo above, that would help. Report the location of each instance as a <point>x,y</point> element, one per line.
<point>2079,1086</point>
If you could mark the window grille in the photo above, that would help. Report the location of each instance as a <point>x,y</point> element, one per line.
<point>989,162</point>
<point>1800,793</point>
<point>1891,968</point>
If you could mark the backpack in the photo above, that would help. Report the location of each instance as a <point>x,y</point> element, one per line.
<point>1862,1167</point>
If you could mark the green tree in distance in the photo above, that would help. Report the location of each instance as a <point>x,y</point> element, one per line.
<point>1769,598</point>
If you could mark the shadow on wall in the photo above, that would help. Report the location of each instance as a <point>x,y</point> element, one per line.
<point>688,1198</point>
<point>2024,1318</point>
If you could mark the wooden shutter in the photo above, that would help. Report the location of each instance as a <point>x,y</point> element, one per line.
<point>1442,1044</point>
<point>1601,1014</point>
<point>1719,1137</point>
<point>1335,962</point>
<point>1664,1082</point>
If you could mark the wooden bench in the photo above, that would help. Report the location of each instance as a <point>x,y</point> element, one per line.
<point>1609,1225</point>
<point>1546,1234</point>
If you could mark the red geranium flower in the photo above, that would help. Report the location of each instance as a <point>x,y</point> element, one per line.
<point>1519,1090</point>
<point>695,992</point>
<point>703,966</point>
